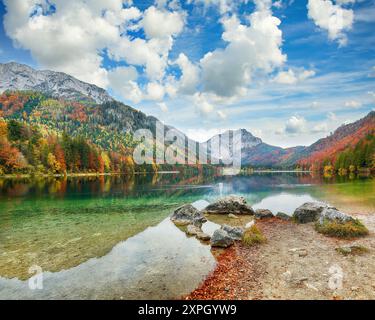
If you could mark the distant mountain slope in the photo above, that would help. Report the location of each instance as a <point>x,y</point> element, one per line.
<point>265,155</point>
<point>256,153</point>
<point>15,76</point>
<point>345,136</point>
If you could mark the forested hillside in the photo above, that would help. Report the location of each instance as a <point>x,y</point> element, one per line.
<point>349,145</point>
<point>40,134</point>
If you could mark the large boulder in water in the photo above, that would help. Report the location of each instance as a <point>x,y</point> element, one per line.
<point>309,212</point>
<point>230,205</point>
<point>221,238</point>
<point>188,214</point>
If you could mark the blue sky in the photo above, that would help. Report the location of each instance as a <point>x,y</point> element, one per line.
<point>288,71</point>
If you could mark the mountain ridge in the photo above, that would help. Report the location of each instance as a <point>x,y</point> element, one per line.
<point>87,110</point>
<point>345,136</point>
<point>16,76</point>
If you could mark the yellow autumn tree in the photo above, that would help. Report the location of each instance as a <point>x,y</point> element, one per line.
<point>106,161</point>
<point>53,163</point>
<point>3,128</point>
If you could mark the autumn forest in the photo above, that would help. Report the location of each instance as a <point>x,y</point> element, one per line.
<point>43,135</point>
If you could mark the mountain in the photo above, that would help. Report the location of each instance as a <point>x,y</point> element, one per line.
<point>76,107</point>
<point>254,152</point>
<point>72,116</point>
<point>62,103</point>
<point>15,76</point>
<point>346,136</point>
<point>51,104</point>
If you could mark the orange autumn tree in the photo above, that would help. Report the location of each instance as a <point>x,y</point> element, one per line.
<point>10,157</point>
<point>60,158</point>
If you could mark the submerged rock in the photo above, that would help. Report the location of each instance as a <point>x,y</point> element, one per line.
<point>222,239</point>
<point>309,212</point>
<point>235,233</point>
<point>283,216</point>
<point>188,214</point>
<point>263,214</point>
<point>230,205</point>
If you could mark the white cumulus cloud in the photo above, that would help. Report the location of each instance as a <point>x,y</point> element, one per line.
<point>189,75</point>
<point>72,35</point>
<point>332,17</point>
<point>155,91</point>
<point>252,48</point>
<point>162,23</point>
<point>123,81</point>
<point>295,125</point>
<point>69,40</point>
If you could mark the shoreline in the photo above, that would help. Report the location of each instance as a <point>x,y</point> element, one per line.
<point>296,263</point>
<point>97,174</point>
<point>75,175</point>
<point>236,274</point>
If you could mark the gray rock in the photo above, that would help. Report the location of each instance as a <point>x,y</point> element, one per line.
<point>309,212</point>
<point>192,230</point>
<point>203,236</point>
<point>235,233</point>
<point>15,76</point>
<point>332,214</point>
<point>283,216</point>
<point>317,211</point>
<point>230,205</point>
<point>263,214</point>
<point>221,238</point>
<point>187,214</point>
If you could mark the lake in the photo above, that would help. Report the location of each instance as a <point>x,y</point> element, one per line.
<point>111,238</point>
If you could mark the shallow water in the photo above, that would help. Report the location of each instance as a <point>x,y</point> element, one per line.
<point>111,237</point>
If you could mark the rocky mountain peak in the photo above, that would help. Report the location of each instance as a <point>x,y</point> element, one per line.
<point>16,76</point>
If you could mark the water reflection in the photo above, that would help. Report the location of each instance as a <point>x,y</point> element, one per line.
<point>110,237</point>
<point>284,202</point>
<point>146,266</point>
<point>140,185</point>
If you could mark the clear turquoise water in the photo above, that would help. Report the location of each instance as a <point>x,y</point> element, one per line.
<point>110,237</point>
